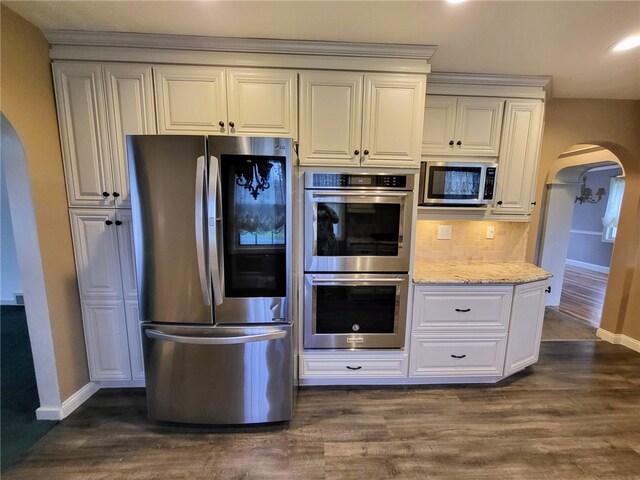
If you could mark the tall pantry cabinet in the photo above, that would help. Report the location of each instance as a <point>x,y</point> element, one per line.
<point>98,106</point>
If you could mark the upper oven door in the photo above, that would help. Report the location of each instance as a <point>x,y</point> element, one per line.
<point>364,231</point>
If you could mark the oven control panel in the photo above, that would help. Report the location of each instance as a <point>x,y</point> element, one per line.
<point>343,180</point>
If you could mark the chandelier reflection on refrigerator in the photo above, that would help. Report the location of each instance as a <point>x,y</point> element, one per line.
<point>254,175</point>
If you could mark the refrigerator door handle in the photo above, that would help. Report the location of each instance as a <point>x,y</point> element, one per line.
<point>201,171</point>
<point>214,205</point>
<point>260,337</point>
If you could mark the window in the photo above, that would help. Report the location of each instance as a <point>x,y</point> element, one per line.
<point>612,213</point>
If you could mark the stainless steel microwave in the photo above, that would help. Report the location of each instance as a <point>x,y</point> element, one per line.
<point>457,183</point>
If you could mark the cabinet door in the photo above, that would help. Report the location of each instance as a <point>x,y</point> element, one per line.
<point>124,231</point>
<point>439,125</point>
<point>519,153</point>
<point>191,100</point>
<point>130,109</point>
<point>262,102</point>
<point>95,245</point>
<point>135,339</point>
<point>83,133</point>
<point>330,118</point>
<point>478,125</point>
<point>525,331</point>
<point>105,333</point>
<point>393,119</point>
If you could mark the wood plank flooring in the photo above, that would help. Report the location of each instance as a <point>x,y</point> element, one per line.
<point>583,294</point>
<point>574,415</point>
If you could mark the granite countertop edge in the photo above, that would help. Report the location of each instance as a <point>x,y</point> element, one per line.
<point>477,273</point>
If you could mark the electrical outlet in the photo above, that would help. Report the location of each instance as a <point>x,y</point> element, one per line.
<point>491,232</point>
<point>444,232</point>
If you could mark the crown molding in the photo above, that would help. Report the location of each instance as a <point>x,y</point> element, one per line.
<point>238,45</point>
<point>525,86</point>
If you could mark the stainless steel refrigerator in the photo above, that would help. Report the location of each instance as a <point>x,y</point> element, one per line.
<point>212,241</point>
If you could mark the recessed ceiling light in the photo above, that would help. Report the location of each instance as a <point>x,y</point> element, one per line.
<point>626,43</point>
<point>456,1</point>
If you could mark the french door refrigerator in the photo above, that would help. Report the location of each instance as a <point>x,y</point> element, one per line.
<point>212,243</point>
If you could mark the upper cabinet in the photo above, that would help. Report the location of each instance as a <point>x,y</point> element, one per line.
<point>462,126</point>
<point>353,119</point>
<point>518,162</point>
<point>220,101</point>
<point>98,106</point>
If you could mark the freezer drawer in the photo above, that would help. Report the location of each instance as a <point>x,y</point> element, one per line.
<point>219,375</point>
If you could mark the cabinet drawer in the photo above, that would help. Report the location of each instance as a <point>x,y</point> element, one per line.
<point>315,366</point>
<point>469,308</point>
<point>455,356</point>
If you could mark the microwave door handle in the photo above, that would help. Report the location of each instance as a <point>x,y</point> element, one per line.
<point>201,170</point>
<point>360,194</point>
<point>213,219</point>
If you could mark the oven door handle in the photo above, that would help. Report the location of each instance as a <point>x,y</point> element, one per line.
<point>356,280</point>
<point>361,194</point>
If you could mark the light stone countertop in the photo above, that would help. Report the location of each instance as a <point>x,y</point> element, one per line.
<point>476,272</point>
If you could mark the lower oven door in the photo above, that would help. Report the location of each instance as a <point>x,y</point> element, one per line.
<point>355,310</point>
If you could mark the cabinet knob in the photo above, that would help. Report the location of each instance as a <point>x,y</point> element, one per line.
<point>105,194</point>
<point>533,203</point>
<point>108,222</point>
<point>548,289</point>
<point>499,202</point>
<point>116,194</point>
<point>118,222</point>
<point>356,152</point>
<point>451,142</point>
<point>366,152</point>
<point>231,124</point>
<point>221,123</point>
<point>459,142</point>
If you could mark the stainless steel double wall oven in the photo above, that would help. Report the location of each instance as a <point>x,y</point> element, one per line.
<point>357,246</point>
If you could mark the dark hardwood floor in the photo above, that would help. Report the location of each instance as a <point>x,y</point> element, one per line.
<point>583,294</point>
<point>574,415</point>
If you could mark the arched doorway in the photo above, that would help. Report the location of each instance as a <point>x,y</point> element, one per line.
<point>14,165</point>
<point>565,187</point>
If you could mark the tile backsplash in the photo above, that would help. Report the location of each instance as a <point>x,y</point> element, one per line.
<point>469,243</point>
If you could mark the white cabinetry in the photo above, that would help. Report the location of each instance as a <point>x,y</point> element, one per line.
<point>525,332</point>
<point>98,105</point>
<point>462,126</point>
<point>459,331</point>
<point>220,101</point>
<point>104,262</point>
<point>519,152</point>
<point>353,119</point>
<point>358,367</point>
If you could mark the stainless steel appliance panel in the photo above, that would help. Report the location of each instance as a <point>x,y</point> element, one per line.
<point>457,183</point>
<point>219,375</point>
<point>359,227</point>
<point>357,313</point>
<point>168,206</point>
<point>250,207</point>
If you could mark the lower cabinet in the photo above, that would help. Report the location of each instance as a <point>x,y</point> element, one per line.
<point>347,364</point>
<point>449,355</point>
<point>103,247</point>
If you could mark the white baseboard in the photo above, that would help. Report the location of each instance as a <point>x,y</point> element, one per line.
<point>619,339</point>
<point>69,405</point>
<point>588,266</point>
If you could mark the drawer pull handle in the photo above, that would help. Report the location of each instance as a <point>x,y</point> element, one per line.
<point>353,368</point>
<point>458,356</point>
<point>463,310</point>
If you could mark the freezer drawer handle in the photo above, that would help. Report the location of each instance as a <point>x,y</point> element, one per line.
<point>261,337</point>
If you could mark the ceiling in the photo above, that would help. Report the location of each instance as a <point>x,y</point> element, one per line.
<point>568,40</point>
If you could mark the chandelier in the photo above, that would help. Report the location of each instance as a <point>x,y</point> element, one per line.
<point>253,175</point>
<point>586,194</point>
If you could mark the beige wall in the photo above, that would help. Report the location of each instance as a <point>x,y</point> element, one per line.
<point>613,124</point>
<point>28,103</point>
<point>469,243</point>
